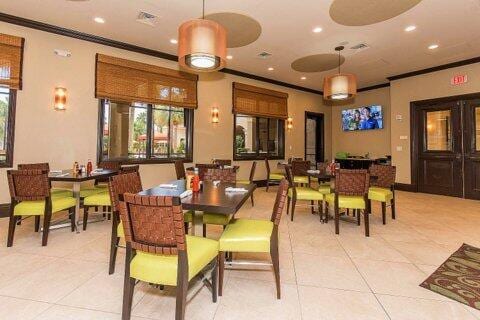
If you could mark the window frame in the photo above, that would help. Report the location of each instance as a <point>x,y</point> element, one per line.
<point>10,129</point>
<point>258,155</point>
<point>189,120</point>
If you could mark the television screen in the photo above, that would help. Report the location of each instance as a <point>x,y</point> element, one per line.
<point>362,118</point>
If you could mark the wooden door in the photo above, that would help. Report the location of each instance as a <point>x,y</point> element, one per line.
<point>472,148</point>
<point>440,157</point>
<point>314,137</point>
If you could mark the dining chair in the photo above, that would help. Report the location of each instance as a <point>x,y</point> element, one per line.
<point>203,168</point>
<point>58,192</point>
<point>100,185</point>
<point>159,252</point>
<point>291,159</point>
<point>272,177</point>
<point>299,171</point>
<point>118,185</point>
<point>30,196</point>
<point>180,169</point>
<point>383,188</point>
<point>250,179</point>
<point>129,169</point>
<point>351,192</point>
<point>296,193</point>
<point>225,176</point>
<point>254,236</point>
<point>222,162</point>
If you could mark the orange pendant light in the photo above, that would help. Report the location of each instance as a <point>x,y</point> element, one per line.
<point>341,86</point>
<point>202,45</point>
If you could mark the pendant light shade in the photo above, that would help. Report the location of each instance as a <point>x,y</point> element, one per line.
<point>341,86</point>
<point>202,45</point>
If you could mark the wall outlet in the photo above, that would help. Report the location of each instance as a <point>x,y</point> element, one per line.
<point>399,148</point>
<point>403,137</point>
<point>399,117</point>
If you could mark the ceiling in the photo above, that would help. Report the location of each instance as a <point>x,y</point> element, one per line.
<point>286,33</point>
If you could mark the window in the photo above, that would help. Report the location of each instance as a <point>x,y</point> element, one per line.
<point>145,133</point>
<point>258,138</point>
<point>7,124</point>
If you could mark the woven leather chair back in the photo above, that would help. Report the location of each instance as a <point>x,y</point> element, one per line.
<point>123,183</point>
<point>280,202</point>
<point>352,182</point>
<point>110,165</point>
<point>153,224</point>
<point>180,170</point>
<point>252,171</point>
<point>224,175</point>
<point>385,175</point>
<point>289,176</point>
<point>130,169</point>
<point>28,185</point>
<point>34,166</point>
<point>300,168</point>
<point>203,168</point>
<point>222,162</point>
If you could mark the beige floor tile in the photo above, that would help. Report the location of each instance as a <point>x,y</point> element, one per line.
<point>252,300</point>
<point>332,304</point>
<point>20,309</point>
<point>13,265</point>
<point>422,252</point>
<point>103,292</point>
<point>317,244</point>
<point>401,308</point>
<point>373,248</point>
<point>395,278</point>
<point>69,313</point>
<point>328,272</point>
<point>53,281</point>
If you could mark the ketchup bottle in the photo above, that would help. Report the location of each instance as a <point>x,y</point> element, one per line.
<point>196,181</point>
<point>89,167</point>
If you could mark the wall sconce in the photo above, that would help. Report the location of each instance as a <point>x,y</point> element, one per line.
<point>60,99</point>
<point>289,123</point>
<point>215,118</point>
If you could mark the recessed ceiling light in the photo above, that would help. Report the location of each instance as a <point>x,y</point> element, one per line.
<point>229,57</point>
<point>99,20</point>
<point>410,28</point>
<point>270,69</point>
<point>433,46</point>
<point>173,41</point>
<point>317,29</point>
<point>303,78</point>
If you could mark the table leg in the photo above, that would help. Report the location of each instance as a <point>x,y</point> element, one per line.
<point>197,227</point>
<point>76,195</point>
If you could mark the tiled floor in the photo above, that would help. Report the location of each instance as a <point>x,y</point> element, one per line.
<point>324,276</point>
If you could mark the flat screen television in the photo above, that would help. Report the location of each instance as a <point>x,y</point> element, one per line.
<point>362,118</point>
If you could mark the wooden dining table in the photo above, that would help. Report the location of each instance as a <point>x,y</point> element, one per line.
<point>77,179</point>
<point>211,198</point>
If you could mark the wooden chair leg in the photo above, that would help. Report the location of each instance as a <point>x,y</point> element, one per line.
<point>37,223</point>
<point>294,203</point>
<point>312,204</point>
<point>276,263</point>
<point>358,217</point>
<point>215,281</point>
<point>185,226</point>
<point>268,184</point>
<point>85,217</point>
<point>71,214</point>
<point>46,227</point>
<point>384,212</point>
<point>367,223</point>
<point>128,288</point>
<point>204,231</point>
<point>113,247</point>
<point>221,269</point>
<point>337,220</point>
<point>182,288</point>
<point>253,202</point>
<point>392,204</point>
<point>288,205</point>
<point>11,229</point>
<point>327,211</point>
<point>320,209</point>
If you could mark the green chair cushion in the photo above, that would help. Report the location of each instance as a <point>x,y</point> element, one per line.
<point>99,199</point>
<point>276,176</point>
<point>324,189</point>
<point>300,179</point>
<point>349,202</point>
<point>187,216</point>
<point>216,218</point>
<point>37,208</point>
<point>380,194</point>
<point>305,193</point>
<point>243,181</point>
<point>58,192</point>
<point>162,269</point>
<point>90,191</point>
<point>246,235</point>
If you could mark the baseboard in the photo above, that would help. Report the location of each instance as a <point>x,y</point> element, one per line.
<point>4,210</point>
<point>405,187</point>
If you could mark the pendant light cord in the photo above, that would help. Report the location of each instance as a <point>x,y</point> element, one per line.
<point>339,62</point>
<point>203,10</point>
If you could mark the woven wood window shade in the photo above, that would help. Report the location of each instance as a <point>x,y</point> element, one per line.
<point>11,56</point>
<point>255,101</point>
<point>130,81</point>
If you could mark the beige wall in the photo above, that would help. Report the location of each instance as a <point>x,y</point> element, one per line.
<point>427,86</point>
<point>375,142</point>
<point>42,134</point>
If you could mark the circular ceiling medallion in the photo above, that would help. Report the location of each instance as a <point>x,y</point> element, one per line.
<point>241,29</point>
<point>317,62</point>
<point>365,12</point>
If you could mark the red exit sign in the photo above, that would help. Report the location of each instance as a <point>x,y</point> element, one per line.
<point>459,79</point>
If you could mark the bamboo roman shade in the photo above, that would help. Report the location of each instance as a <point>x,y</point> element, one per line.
<point>11,55</point>
<point>261,102</point>
<point>130,81</point>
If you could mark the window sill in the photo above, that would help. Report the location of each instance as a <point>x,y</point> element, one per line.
<point>149,161</point>
<point>260,157</point>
